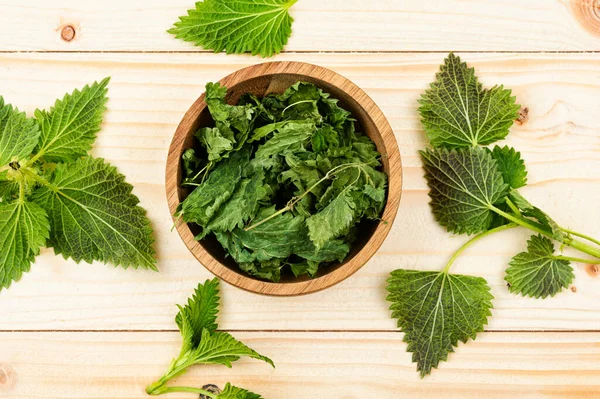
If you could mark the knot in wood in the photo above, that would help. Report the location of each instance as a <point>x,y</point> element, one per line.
<point>523,116</point>
<point>587,13</point>
<point>593,270</point>
<point>67,33</point>
<point>8,377</point>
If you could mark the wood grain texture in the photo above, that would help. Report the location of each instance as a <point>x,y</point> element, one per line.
<point>332,25</point>
<point>149,93</point>
<point>276,77</point>
<point>315,365</point>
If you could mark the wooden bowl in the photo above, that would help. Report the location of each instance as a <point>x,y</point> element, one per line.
<point>275,77</point>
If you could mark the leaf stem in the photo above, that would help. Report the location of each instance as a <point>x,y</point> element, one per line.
<point>163,390</point>
<point>513,207</point>
<point>574,233</point>
<point>296,103</point>
<point>176,368</point>
<point>38,178</point>
<point>295,200</point>
<point>474,240</point>
<point>21,191</point>
<point>581,246</point>
<point>579,260</point>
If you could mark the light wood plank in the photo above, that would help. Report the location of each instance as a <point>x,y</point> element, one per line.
<point>315,365</point>
<point>149,94</point>
<point>333,25</point>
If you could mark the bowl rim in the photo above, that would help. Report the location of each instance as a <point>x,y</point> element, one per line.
<point>347,268</point>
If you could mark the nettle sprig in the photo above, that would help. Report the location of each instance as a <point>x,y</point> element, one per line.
<point>257,27</point>
<point>52,193</point>
<point>203,344</point>
<point>474,191</point>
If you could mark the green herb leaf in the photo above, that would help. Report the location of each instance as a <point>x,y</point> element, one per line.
<point>538,273</point>
<point>18,135</point>
<point>458,112</point>
<point>291,137</point>
<point>202,344</point>
<point>24,229</point>
<point>202,204</point>
<point>94,216</point>
<point>464,186</point>
<point>276,238</point>
<point>242,205</point>
<point>535,213</point>
<point>9,189</point>
<point>69,129</point>
<point>223,348</point>
<point>231,392</point>
<point>436,310</point>
<point>238,26</point>
<point>511,165</point>
<point>332,221</point>
<point>330,251</point>
<point>266,269</point>
<point>304,161</point>
<point>216,145</point>
<point>233,122</point>
<point>199,314</point>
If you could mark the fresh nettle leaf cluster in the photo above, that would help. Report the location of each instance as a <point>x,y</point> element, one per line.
<point>52,193</point>
<point>282,181</point>
<point>474,190</point>
<point>203,344</point>
<point>238,26</point>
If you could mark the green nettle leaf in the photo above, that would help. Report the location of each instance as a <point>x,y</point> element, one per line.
<point>201,205</point>
<point>53,194</point>
<point>303,172</point>
<point>267,269</point>
<point>263,131</point>
<point>94,216</point>
<point>223,348</point>
<point>473,189</point>
<point>231,392</point>
<point>8,188</point>
<point>535,213</point>
<point>276,238</point>
<point>511,165</point>
<point>18,135</point>
<point>458,112</point>
<point>290,137</point>
<point>24,229</point>
<point>538,272</point>
<point>464,186</point>
<point>238,26</point>
<point>436,310</point>
<point>377,194</point>
<point>203,344</point>
<point>214,142</point>
<point>330,251</point>
<point>332,221</point>
<point>199,314</point>
<point>242,205</point>
<point>309,267</point>
<point>69,129</point>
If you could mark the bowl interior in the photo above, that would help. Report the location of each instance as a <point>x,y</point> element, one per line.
<point>278,83</point>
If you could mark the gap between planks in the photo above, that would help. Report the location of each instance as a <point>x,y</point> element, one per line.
<point>286,331</point>
<point>302,52</point>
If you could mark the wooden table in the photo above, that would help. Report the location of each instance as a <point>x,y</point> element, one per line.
<point>93,331</point>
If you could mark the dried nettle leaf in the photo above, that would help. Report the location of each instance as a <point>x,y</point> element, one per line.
<point>282,181</point>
